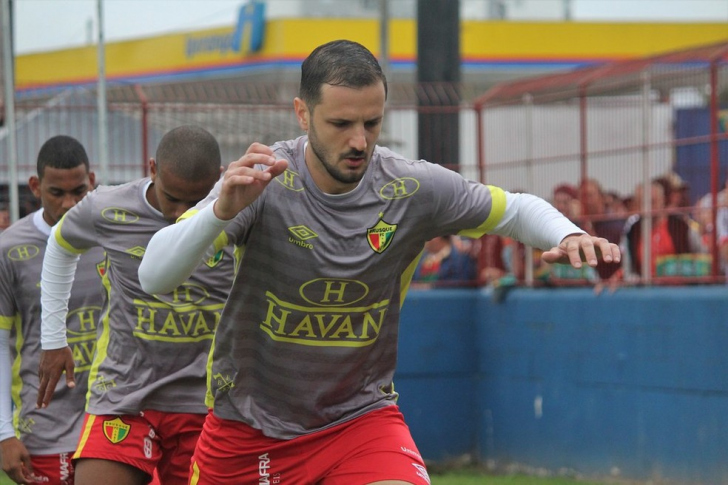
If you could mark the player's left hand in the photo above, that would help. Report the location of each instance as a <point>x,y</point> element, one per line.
<point>53,363</point>
<point>576,249</point>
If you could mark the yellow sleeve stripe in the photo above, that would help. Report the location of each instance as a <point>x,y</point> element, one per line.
<point>62,242</point>
<point>221,241</point>
<point>189,213</point>
<point>6,323</point>
<point>498,208</point>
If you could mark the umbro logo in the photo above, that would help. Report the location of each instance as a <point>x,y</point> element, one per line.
<point>301,235</point>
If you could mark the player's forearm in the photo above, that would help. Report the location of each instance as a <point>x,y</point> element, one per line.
<point>59,270</point>
<point>174,252</point>
<point>6,413</point>
<point>533,221</point>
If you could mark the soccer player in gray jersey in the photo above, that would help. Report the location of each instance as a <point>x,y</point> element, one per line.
<point>36,445</point>
<point>301,378</point>
<point>146,399</point>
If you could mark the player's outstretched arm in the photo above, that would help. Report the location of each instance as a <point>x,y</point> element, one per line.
<point>56,280</point>
<point>14,457</point>
<point>174,252</point>
<point>537,223</point>
<point>578,248</point>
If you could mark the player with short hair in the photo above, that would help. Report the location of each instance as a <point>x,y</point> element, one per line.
<point>147,384</point>
<point>302,369</point>
<point>36,445</point>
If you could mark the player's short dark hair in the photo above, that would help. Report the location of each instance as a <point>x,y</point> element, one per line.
<point>339,63</point>
<point>61,151</point>
<point>190,152</point>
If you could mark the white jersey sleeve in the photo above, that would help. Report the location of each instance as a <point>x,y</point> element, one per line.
<point>59,269</point>
<point>6,413</point>
<point>179,249</point>
<point>534,222</point>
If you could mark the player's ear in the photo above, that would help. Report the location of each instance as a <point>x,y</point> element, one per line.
<point>34,185</point>
<point>152,168</point>
<point>302,113</point>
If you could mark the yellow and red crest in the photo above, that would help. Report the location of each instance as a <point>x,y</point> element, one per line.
<point>116,430</point>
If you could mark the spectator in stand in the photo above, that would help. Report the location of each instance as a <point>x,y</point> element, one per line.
<point>599,221</point>
<point>677,198</point>
<point>615,204</point>
<point>443,265</point>
<point>703,213</point>
<point>722,228</point>
<point>671,235</point>
<point>566,199</point>
<point>490,259</point>
<point>678,191</point>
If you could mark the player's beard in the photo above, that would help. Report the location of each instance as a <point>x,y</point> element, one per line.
<point>328,161</point>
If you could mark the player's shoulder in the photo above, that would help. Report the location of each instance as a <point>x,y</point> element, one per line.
<point>21,230</point>
<point>21,242</point>
<point>119,190</point>
<point>125,197</point>
<point>292,150</point>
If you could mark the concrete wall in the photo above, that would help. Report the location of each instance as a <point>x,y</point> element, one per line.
<point>633,383</point>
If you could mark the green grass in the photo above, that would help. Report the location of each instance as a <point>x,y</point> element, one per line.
<point>464,477</point>
<point>479,478</point>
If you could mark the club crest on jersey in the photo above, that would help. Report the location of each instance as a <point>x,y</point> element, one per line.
<point>381,234</point>
<point>116,430</point>
<point>101,268</point>
<point>215,259</point>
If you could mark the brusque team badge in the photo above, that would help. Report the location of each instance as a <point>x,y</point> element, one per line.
<point>381,234</point>
<point>101,268</point>
<point>116,430</point>
<point>215,259</point>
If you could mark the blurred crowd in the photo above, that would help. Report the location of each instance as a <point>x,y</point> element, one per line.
<point>678,250</point>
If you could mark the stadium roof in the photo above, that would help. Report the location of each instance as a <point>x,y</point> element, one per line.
<point>608,77</point>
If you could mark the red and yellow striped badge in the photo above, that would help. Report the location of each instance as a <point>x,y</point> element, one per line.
<point>380,235</point>
<point>116,430</point>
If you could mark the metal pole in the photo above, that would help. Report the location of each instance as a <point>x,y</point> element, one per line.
<point>384,36</point>
<point>101,100</point>
<point>714,165</point>
<point>647,215</point>
<point>528,102</point>
<point>9,83</point>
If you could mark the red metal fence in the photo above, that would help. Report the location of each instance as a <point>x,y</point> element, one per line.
<point>617,126</point>
<point>654,122</point>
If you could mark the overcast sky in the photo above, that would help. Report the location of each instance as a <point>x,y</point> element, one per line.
<point>42,25</point>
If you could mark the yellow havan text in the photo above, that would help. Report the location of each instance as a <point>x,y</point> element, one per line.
<point>82,341</point>
<point>323,326</point>
<point>171,323</point>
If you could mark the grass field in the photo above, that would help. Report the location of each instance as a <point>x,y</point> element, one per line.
<point>465,478</point>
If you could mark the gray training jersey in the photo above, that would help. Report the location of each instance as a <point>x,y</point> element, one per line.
<point>152,350</point>
<point>55,429</point>
<point>308,338</point>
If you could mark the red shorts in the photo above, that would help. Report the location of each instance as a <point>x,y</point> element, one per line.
<point>54,469</point>
<point>374,447</point>
<point>153,439</point>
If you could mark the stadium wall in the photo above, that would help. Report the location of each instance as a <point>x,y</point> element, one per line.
<point>633,384</point>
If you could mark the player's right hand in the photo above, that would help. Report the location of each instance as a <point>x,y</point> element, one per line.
<point>16,461</point>
<point>243,181</point>
<point>52,365</point>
